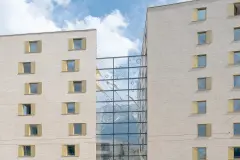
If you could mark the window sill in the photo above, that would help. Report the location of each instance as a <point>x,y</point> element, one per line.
<point>235,137</point>
<point>234,65</point>
<point>69,71</point>
<point>236,89</point>
<point>202,45</point>
<point>71,156</point>
<point>26,156</point>
<point>235,16</point>
<point>76,49</point>
<point>76,92</point>
<point>203,90</point>
<point>236,41</point>
<point>198,68</point>
<point>76,135</point>
<point>26,115</point>
<point>25,73</point>
<point>32,94</point>
<point>69,114</point>
<point>199,21</point>
<point>33,136</point>
<point>197,114</point>
<point>31,52</point>
<point>203,138</point>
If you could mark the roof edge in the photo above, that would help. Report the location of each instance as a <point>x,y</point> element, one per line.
<point>50,32</point>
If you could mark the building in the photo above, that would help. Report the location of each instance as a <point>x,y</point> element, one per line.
<point>193,80</point>
<point>48,96</point>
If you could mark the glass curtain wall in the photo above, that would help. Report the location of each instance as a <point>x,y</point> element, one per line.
<point>121,108</point>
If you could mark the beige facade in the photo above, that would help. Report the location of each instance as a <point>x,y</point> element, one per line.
<point>48,87</point>
<point>172,46</point>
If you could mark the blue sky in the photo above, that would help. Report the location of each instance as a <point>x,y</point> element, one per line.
<point>119,23</point>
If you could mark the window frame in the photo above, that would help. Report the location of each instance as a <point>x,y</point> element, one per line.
<point>236,38</point>
<point>235,82</point>
<point>205,15</point>
<point>81,86</point>
<point>198,57</point>
<point>205,127</point>
<point>205,41</point>
<point>30,87</point>
<point>234,60</point>
<point>198,110</point>
<point>198,80</point>
<point>30,151</point>
<point>236,9</point>
<point>234,129</point>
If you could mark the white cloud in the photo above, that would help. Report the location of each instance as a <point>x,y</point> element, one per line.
<point>18,16</point>
<point>110,31</point>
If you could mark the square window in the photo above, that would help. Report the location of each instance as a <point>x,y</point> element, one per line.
<point>237,9</point>
<point>236,105</point>
<point>236,34</point>
<point>33,46</point>
<point>202,130</point>
<point>236,127</point>
<point>71,107</point>
<point>237,57</point>
<point>202,154</point>
<point>27,109</point>
<point>201,107</point>
<point>77,86</point>
<point>33,130</point>
<point>202,14</point>
<point>27,67</point>
<point>77,43</point>
<point>202,38</point>
<point>71,65</point>
<point>237,81</point>
<point>236,152</point>
<point>77,128</point>
<point>71,150</point>
<point>202,83</point>
<point>33,88</point>
<point>27,151</point>
<point>202,61</point>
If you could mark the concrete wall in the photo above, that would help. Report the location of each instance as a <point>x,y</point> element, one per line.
<point>54,92</point>
<point>172,83</point>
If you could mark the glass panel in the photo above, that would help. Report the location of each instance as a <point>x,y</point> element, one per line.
<point>121,117</point>
<point>33,46</point>
<point>71,107</point>
<point>201,14</point>
<point>202,38</point>
<point>27,150</point>
<point>105,74</point>
<point>134,72</point>
<point>120,62</point>
<point>121,128</point>
<point>120,106</point>
<point>77,128</point>
<point>236,105</point>
<point>202,130</point>
<point>77,86</point>
<point>121,139</point>
<point>120,150</point>
<point>134,149</point>
<point>201,83</point>
<point>71,150</point>
<point>120,73</point>
<point>136,106</point>
<point>236,34</point>
<point>236,128</point>
<point>120,95</point>
<point>33,129</point>
<point>135,94</point>
<point>77,44</point>
<point>105,138</point>
<point>105,96</point>
<point>202,153</point>
<point>135,127</point>
<point>136,61</point>
<point>104,128</point>
<point>236,81</point>
<point>236,152</point>
<point>202,107</point>
<point>71,65</point>
<point>105,63</point>
<point>202,61</point>
<point>120,84</point>
<point>237,58</point>
<point>34,88</point>
<point>135,138</point>
<point>26,109</point>
<point>105,85</point>
<point>27,67</point>
<point>104,117</point>
<point>104,106</point>
<point>137,117</point>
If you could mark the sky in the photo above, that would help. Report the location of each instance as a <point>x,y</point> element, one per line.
<point>119,23</point>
